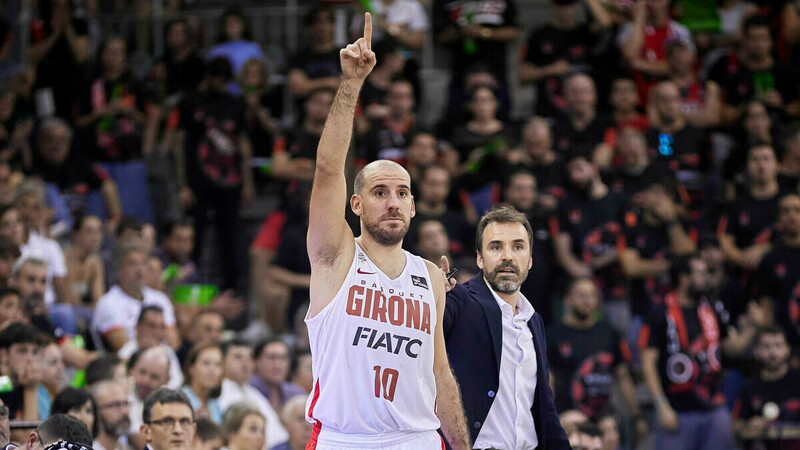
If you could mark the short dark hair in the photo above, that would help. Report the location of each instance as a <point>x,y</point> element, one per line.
<point>8,249</point>
<point>19,333</point>
<point>80,220</point>
<point>315,11</point>
<point>170,227</point>
<point>681,265</point>
<point>149,309</point>
<point>236,342</point>
<point>755,21</point>
<point>423,171</point>
<point>262,344</point>
<point>129,223</point>
<point>102,368</point>
<point>6,291</point>
<point>163,395</point>
<point>70,398</point>
<point>63,427</point>
<point>208,430</point>
<point>234,11</point>
<point>502,214</point>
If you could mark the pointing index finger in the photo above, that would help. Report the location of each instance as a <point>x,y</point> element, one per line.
<point>368,29</point>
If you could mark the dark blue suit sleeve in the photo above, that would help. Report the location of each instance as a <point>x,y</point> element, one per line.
<point>556,438</point>
<point>452,308</point>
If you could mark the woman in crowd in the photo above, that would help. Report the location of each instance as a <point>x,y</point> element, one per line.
<point>85,271</point>
<point>203,374</point>
<point>244,426</point>
<point>77,403</point>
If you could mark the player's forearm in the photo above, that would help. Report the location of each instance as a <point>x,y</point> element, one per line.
<point>335,140</point>
<point>451,411</point>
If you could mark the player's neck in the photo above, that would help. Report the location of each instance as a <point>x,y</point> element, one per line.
<point>774,375</point>
<point>390,260</point>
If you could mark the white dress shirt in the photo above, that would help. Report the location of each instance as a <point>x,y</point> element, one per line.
<point>509,424</point>
<point>234,393</point>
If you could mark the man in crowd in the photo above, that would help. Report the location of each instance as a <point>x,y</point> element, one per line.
<point>117,312</point>
<point>545,164</point>
<point>205,327</point>
<point>771,397</point>
<point>177,248</point>
<point>151,331</point>
<point>62,429</point>
<point>637,170</point>
<point>112,411</point>
<point>272,371</point>
<point>168,420</point>
<point>20,346</point>
<point>388,137</point>
<point>496,343</point>
<point>235,388</point>
<point>580,128</point>
<point>149,369</point>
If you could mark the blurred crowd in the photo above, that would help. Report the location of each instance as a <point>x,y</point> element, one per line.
<point>659,168</point>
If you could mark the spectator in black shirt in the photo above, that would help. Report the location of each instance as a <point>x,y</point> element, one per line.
<point>580,128</point>
<point>20,345</point>
<point>587,356</point>
<point>753,73</point>
<point>216,152</point>
<point>636,170</point>
<point>747,223</point>
<point>681,345</point>
<point>389,136</point>
<point>70,178</point>
<point>536,154</point>
<point>263,106</point>
<point>778,276</point>
<point>433,243</point>
<point>771,400</point>
<point>678,147</point>
<point>558,48</point>
<point>182,64</point>
<point>473,139</point>
<point>476,31</point>
<point>376,88</point>
<point>317,66</point>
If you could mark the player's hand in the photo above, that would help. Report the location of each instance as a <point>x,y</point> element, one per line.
<point>358,59</point>
<point>444,264</point>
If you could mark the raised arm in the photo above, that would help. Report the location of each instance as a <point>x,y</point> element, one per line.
<point>328,233</point>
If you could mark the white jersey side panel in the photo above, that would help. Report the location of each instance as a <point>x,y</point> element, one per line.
<point>373,350</point>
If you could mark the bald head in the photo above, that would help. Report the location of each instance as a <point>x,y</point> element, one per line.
<point>382,166</point>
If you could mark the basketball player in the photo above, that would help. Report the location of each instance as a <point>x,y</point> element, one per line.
<point>381,374</point>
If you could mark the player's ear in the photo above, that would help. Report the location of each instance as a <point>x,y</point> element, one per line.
<point>479,260</point>
<point>355,204</point>
<point>413,207</point>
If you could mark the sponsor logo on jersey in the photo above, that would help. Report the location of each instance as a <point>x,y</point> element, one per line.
<point>419,281</point>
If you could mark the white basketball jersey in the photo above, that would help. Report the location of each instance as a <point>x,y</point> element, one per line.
<point>373,349</point>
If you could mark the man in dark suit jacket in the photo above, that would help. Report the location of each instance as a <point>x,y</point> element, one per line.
<point>496,344</point>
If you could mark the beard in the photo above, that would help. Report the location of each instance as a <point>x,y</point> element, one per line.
<point>580,315</point>
<point>387,237</point>
<point>118,428</point>
<point>505,285</point>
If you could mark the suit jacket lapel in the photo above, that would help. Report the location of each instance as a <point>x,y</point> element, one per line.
<point>494,318</point>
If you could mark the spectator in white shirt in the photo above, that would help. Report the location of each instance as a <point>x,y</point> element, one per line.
<point>239,366</point>
<point>151,331</point>
<point>118,311</point>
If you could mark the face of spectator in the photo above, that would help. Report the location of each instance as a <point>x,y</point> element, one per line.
<point>680,58</point>
<point>32,281</point>
<point>432,239</point>
<point>114,55</point>
<point>610,432</point>
<point>713,256</point>
<point>250,435</point>
<point>583,299</point>
<point>581,172</point>
<point>150,373</point>
<point>505,256</point>
<point>22,359</point>
<point>296,424</point>
<point>762,166</point>
<point>112,405</point>
<point>129,237</point>
<point>789,216</point>
<point>772,351</point>
<point>483,104</point>
<point>632,148</point>
<point>698,277</point>
<point>84,413</point>
<point>206,372</point>
<point>164,437</point>
<point>151,330</point>
<point>435,185</point>
<point>385,204</point>
<point>757,122</point>
<point>303,376</point>
<point>208,329</point>
<point>537,139</point>
<point>580,95</point>
<point>566,14</point>
<point>668,102</point>
<point>178,36</point>
<point>131,271</point>
<point>52,367</point>
<point>211,444</point>
<point>12,227</point>
<point>624,96</point>
<point>253,74</point>
<point>153,274</point>
<point>239,364</point>
<point>401,98</point>
<point>234,28</point>
<point>90,236</point>
<point>422,149</point>
<point>521,191</point>
<point>10,309</point>
<point>54,144</point>
<point>272,366</point>
<point>318,106</point>
<point>322,27</point>
<point>757,42</point>
<point>29,210</point>
<point>180,243</point>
